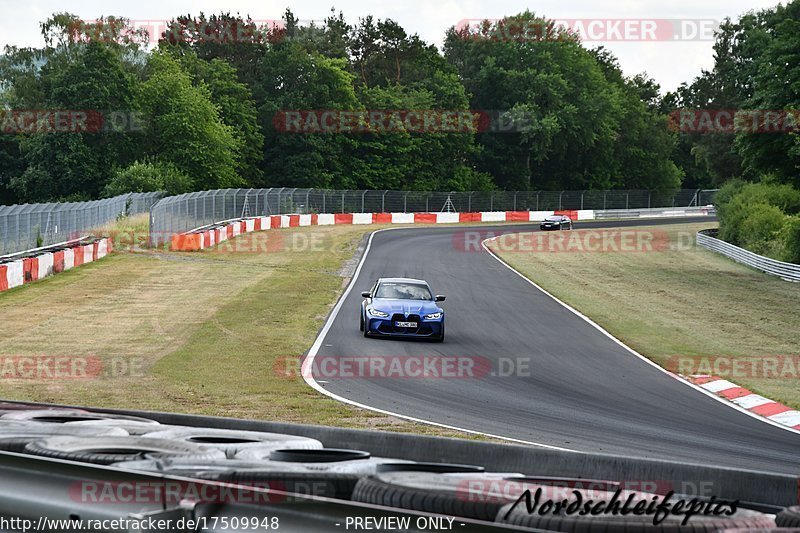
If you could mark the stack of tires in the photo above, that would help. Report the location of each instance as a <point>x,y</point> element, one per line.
<point>307,470</point>
<point>102,438</point>
<point>291,464</point>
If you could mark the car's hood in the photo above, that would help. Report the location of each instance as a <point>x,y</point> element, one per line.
<point>408,307</point>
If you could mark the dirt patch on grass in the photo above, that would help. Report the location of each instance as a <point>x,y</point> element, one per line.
<point>202,333</point>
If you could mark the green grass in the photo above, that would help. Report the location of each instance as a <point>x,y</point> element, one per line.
<point>682,301</point>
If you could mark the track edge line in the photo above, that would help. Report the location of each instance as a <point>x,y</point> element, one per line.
<point>308,377</point>
<point>631,350</point>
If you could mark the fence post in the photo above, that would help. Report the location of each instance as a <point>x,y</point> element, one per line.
<point>405,202</point>
<point>308,195</point>
<point>383,202</point>
<point>627,199</point>
<point>582,192</point>
<point>491,201</point>
<point>648,198</point>
<point>560,194</point>
<point>515,201</point>
<point>342,201</point>
<point>363,194</point>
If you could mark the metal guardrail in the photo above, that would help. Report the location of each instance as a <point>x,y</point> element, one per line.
<point>27,226</point>
<point>178,214</point>
<point>786,271</point>
<point>661,212</point>
<point>766,489</point>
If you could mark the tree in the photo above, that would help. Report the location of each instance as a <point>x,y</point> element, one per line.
<point>775,86</point>
<point>148,177</point>
<point>294,80</point>
<point>237,110</point>
<point>562,107</point>
<point>184,126</point>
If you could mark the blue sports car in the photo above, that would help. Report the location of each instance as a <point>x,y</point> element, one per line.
<point>402,307</point>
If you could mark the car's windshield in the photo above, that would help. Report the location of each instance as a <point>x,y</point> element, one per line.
<point>403,291</point>
<point>553,219</point>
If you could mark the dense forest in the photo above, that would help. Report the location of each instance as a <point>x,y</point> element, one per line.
<point>205,108</point>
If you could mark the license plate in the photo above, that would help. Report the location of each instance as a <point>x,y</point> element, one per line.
<point>405,324</point>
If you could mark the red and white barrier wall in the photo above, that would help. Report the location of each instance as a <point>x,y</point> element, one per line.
<point>200,239</point>
<point>30,269</point>
<point>204,238</point>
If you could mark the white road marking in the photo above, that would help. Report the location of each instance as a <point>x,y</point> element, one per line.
<point>637,354</point>
<point>312,353</point>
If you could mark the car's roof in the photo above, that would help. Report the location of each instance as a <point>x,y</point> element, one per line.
<point>403,280</point>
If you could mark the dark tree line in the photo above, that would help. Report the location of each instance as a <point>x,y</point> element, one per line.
<point>198,111</point>
<point>756,69</point>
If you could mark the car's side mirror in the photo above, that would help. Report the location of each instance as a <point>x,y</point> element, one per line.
<point>439,298</point>
<point>365,294</point>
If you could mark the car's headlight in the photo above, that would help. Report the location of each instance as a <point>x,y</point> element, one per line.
<point>375,312</point>
<point>432,316</point>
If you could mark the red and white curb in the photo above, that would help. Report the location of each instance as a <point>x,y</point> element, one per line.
<point>756,404</point>
<point>30,269</point>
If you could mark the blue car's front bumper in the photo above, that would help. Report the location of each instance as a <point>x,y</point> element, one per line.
<point>387,326</point>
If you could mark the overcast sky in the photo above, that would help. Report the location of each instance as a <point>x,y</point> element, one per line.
<point>668,61</point>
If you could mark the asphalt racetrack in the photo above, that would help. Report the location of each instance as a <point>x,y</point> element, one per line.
<point>583,390</point>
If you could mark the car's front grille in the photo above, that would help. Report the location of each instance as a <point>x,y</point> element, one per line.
<point>400,317</point>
